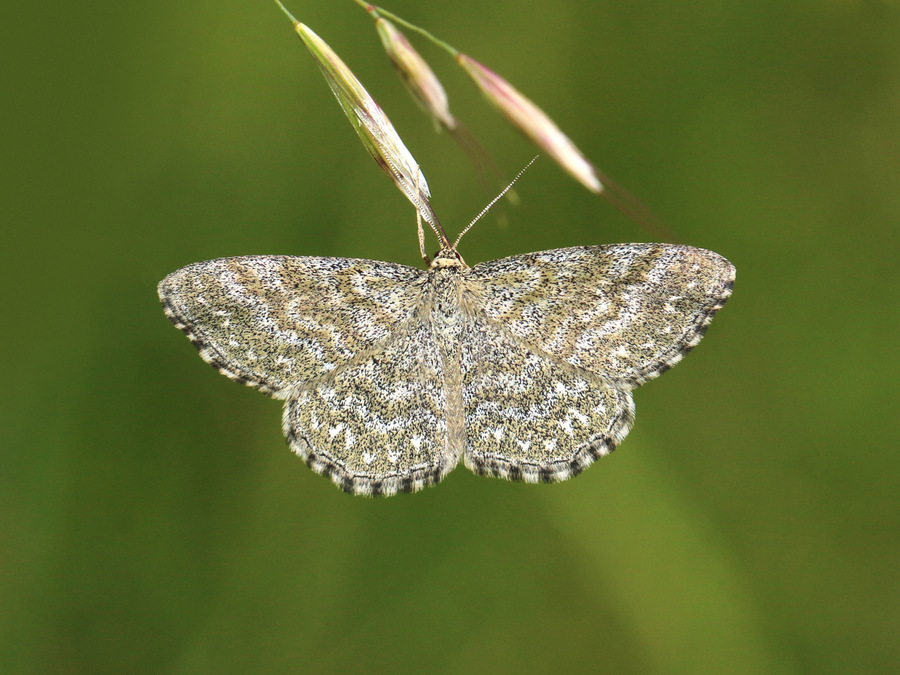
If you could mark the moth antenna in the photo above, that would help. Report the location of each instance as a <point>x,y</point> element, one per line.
<point>494,201</point>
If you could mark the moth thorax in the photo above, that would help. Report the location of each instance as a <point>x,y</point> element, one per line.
<point>445,309</point>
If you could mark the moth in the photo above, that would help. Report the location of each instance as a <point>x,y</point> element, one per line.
<point>522,367</point>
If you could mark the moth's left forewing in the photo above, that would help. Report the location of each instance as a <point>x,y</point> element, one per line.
<point>625,312</point>
<point>275,322</point>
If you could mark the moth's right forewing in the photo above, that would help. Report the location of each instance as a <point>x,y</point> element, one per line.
<point>276,322</point>
<point>625,312</point>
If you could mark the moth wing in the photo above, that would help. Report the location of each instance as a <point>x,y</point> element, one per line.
<point>532,417</point>
<point>626,312</point>
<point>272,322</point>
<point>381,424</point>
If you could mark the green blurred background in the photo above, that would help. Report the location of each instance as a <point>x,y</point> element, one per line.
<point>151,516</point>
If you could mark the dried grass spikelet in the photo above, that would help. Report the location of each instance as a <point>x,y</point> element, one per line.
<point>531,121</point>
<point>369,121</point>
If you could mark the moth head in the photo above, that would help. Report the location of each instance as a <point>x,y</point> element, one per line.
<point>447,258</point>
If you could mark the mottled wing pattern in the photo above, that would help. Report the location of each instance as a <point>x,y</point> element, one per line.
<point>534,418</point>
<point>275,321</point>
<point>379,425</point>
<point>625,312</point>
